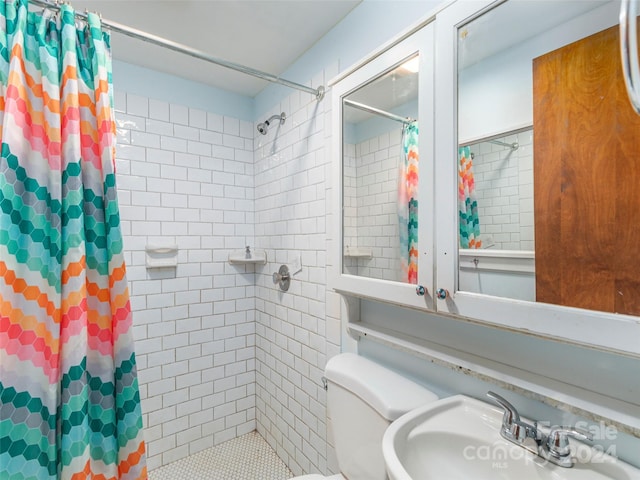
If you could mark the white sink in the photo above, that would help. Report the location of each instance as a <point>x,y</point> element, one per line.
<point>459,438</point>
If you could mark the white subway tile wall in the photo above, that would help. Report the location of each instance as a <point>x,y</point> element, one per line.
<point>504,190</point>
<point>350,207</point>
<point>350,202</point>
<point>185,177</point>
<point>295,337</point>
<point>371,193</point>
<point>221,351</point>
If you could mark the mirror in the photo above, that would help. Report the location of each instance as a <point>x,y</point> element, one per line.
<point>547,153</point>
<point>380,176</point>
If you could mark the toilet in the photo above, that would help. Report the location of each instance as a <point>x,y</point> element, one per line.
<point>363,398</point>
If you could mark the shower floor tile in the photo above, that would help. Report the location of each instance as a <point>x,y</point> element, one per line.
<point>248,457</point>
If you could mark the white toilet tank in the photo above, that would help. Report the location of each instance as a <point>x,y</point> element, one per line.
<point>363,398</point>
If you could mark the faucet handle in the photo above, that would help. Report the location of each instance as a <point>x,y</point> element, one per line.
<point>558,439</point>
<point>514,429</point>
<point>511,415</point>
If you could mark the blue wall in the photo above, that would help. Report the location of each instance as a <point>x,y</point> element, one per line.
<point>170,88</point>
<point>365,29</point>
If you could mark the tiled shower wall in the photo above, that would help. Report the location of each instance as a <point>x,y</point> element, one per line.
<point>504,190</point>
<point>299,330</point>
<point>185,177</point>
<point>221,351</point>
<point>373,216</point>
<point>350,202</point>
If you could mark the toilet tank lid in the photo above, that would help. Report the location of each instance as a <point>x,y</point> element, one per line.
<point>388,392</point>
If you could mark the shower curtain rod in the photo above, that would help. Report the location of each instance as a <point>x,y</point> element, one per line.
<point>377,111</point>
<point>180,48</point>
<point>512,146</point>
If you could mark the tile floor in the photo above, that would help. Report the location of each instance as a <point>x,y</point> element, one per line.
<point>248,457</point>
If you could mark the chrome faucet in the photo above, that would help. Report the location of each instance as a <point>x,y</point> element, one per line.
<point>515,429</point>
<point>556,446</point>
<point>553,447</point>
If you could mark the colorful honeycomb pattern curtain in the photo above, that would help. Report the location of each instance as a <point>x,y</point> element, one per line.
<point>467,204</point>
<point>408,204</point>
<point>69,400</point>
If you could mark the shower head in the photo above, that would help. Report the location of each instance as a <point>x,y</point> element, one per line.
<point>264,126</point>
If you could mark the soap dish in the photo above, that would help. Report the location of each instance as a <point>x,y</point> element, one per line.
<point>161,256</point>
<point>242,257</point>
<point>358,252</point>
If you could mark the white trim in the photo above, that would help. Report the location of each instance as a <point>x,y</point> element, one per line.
<point>396,293</point>
<point>420,42</point>
<point>569,325</point>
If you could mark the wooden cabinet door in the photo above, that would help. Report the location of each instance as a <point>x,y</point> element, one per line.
<point>586,178</point>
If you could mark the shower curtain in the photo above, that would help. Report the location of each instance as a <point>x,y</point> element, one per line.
<point>408,203</point>
<point>69,399</point>
<point>467,204</point>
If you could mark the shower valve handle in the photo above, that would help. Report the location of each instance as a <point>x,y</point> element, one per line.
<point>283,278</point>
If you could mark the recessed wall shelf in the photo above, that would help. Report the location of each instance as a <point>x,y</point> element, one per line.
<point>244,257</point>
<point>161,256</point>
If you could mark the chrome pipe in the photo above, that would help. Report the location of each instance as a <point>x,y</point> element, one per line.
<point>264,126</point>
<point>377,111</point>
<point>629,51</point>
<point>512,146</point>
<point>199,54</point>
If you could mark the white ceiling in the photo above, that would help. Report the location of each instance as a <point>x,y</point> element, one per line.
<point>267,35</point>
<point>387,92</point>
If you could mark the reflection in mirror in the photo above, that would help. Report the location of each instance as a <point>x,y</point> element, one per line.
<point>502,169</point>
<point>380,176</point>
<point>502,173</point>
<point>554,66</point>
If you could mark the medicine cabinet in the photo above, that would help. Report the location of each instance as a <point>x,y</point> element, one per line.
<point>383,120</point>
<point>517,134</point>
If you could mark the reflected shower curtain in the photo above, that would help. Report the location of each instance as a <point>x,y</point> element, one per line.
<point>408,203</point>
<point>467,204</point>
<point>69,400</point>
